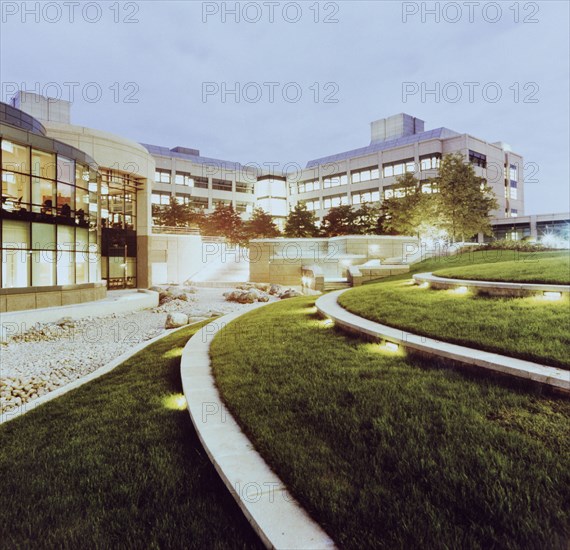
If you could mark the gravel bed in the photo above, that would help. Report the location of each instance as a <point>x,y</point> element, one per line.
<point>51,355</point>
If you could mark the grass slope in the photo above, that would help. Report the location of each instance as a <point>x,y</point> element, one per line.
<point>386,452</point>
<point>554,270</point>
<point>110,465</point>
<point>529,328</point>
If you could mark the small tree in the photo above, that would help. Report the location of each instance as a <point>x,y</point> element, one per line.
<point>172,214</point>
<point>464,200</point>
<point>340,220</point>
<point>224,221</point>
<point>410,214</point>
<point>261,225</point>
<point>367,220</point>
<point>301,222</point>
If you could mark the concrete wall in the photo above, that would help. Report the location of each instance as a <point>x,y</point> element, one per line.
<point>281,260</point>
<point>17,299</point>
<point>173,258</point>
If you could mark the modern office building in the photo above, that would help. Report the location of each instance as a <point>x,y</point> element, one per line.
<point>400,144</point>
<point>76,213</point>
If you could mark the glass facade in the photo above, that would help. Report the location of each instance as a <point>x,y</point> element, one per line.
<point>118,229</point>
<point>48,218</point>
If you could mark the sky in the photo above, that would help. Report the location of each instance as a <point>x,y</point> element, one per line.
<point>280,83</point>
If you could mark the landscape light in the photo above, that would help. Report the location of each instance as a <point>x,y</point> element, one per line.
<point>461,290</point>
<point>425,284</point>
<point>552,295</point>
<point>327,322</point>
<point>176,402</point>
<point>391,346</point>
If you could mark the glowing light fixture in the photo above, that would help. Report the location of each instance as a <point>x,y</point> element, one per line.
<point>391,346</point>
<point>176,402</point>
<point>461,290</point>
<point>328,322</point>
<point>552,295</point>
<point>425,284</point>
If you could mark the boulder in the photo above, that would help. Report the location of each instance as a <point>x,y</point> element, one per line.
<point>274,289</point>
<point>178,294</point>
<point>289,293</point>
<point>175,320</point>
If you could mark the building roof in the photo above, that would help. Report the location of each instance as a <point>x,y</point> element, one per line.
<point>374,147</point>
<point>198,159</point>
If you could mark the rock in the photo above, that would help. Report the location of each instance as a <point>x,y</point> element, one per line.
<point>274,289</point>
<point>64,321</point>
<point>157,289</point>
<point>178,294</point>
<point>263,298</point>
<point>289,293</point>
<point>175,320</point>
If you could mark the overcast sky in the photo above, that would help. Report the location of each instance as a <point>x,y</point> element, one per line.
<point>161,70</point>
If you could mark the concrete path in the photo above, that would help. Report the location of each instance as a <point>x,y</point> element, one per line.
<point>557,379</point>
<point>276,517</point>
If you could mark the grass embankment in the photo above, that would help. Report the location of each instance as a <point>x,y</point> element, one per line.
<point>529,328</point>
<point>550,270</point>
<point>116,464</point>
<point>386,452</point>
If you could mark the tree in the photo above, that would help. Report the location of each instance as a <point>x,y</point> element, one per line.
<point>224,221</point>
<point>464,200</point>
<point>340,220</point>
<point>367,220</point>
<point>172,214</point>
<point>301,223</point>
<point>411,214</point>
<point>261,225</point>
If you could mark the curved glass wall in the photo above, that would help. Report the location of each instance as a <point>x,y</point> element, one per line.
<point>48,216</point>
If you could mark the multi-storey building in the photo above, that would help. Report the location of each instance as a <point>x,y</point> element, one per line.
<point>399,144</point>
<point>76,210</point>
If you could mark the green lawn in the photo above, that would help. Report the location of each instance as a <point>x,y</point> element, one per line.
<point>387,452</point>
<point>529,328</point>
<point>475,257</point>
<point>116,464</point>
<point>553,270</point>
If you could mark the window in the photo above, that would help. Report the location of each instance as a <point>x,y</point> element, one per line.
<point>160,198</point>
<point>293,187</point>
<point>513,173</point>
<point>15,191</point>
<point>199,203</point>
<point>222,185</point>
<point>65,170</point>
<point>398,168</point>
<point>429,187</point>
<point>313,205</point>
<point>15,157</point>
<point>43,164</point>
<point>242,207</point>
<point>430,162</point>
<point>477,159</point>
<point>334,181</point>
<point>513,192</point>
<point>514,212</point>
<point>162,176</point>
<point>201,183</point>
<point>366,174</point>
<point>183,178</point>
<point>242,187</point>
<point>365,196</point>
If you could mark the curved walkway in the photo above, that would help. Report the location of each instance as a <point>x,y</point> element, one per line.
<point>276,517</point>
<point>500,287</point>
<point>555,378</point>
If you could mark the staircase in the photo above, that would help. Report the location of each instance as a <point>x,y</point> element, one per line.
<point>336,284</point>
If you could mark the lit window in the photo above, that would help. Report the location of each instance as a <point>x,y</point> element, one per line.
<point>365,175</point>
<point>388,193</point>
<point>356,199</point>
<point>344,179</point>
<point>375,196</point>
<point>375,174</point>
<point>388,171</point>
<point>162,176</point>
<point>398,169</point>
<point>356,177</point>
<point>317,185</point>
<point>326,183</point>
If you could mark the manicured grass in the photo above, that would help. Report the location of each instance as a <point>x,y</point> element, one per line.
<point>472,258</point>
<point>116,464</point>
<point>529,328</point>
<point>387,452</point>
<point>542,270</point>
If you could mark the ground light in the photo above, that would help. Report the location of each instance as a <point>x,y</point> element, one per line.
<point>328,322</point>
<point>391,346</point>
<point>552,295</point>
<point>176,402</point>
<point>461,290</point>
<point>425,284</point>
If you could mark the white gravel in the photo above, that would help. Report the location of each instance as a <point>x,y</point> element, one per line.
<point>49,356</point>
